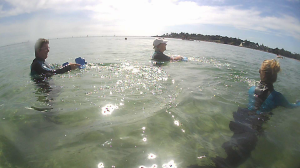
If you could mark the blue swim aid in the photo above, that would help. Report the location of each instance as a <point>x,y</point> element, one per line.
<point>81,61</point>
<point>65,64</point>
<point>185,59</point>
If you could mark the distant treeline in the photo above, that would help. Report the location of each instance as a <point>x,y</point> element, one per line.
<point>232,41</point>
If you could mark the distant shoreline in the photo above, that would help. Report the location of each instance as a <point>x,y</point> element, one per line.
<point>231,41</point>
<point>215,42</point>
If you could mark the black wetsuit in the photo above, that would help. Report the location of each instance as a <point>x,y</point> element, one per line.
<point>41,68</point>
<point>159,56</point>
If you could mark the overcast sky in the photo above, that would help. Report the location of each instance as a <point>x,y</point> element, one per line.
<point>274,23</point>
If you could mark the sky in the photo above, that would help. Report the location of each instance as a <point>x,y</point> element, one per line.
<point>273,23</point>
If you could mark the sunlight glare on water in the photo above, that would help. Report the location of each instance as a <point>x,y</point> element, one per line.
<point>151,156</point>
<point>100,165</point>
<point>170,164</point>
<point>108,109</point>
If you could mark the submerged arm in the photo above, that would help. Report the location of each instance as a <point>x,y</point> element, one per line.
<point>282,101</point>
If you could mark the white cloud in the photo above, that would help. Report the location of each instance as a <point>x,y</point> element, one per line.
<point>139,17</point>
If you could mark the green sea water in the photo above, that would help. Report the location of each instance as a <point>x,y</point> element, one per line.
<point>121,111</point>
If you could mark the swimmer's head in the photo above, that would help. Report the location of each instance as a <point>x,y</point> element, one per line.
<point>40,43</point>
<point>159,43</point>
<point>268,71</point>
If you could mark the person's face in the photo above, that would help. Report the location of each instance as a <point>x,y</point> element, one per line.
<point>43,52</point>
<point>162,47</point>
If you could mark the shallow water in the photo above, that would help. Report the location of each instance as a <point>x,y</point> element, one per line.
<point>122,111</point>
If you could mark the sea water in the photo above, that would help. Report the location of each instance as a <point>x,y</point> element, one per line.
<point>121,111</point>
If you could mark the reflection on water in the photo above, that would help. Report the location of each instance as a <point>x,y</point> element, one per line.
<point>151,156</point>
<point>200,157</point>
<point>108,109</point>
<point>100,165</point>
<point>170,164</point>
<point>176,123</point>
<point>45,93</point>
<point>153,166</point>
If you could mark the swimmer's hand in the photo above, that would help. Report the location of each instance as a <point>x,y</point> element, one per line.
<point>177,58</point>
<point>298,103</point>
<point>74,66</point>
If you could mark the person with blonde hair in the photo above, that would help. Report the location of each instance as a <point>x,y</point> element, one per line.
<point>248,122</point>
<point>263,98</point>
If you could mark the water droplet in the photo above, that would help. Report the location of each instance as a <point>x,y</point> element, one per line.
<point>108,109</point>
<point>170,164</point>
<point>200,157</point>
<point>154,166</point>
<point>100,165</point>
<point>176,122</point>
<point>151,156</point>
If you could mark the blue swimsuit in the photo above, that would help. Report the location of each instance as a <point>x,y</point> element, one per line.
<point>269,99</point>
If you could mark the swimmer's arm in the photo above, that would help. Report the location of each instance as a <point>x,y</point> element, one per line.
<point>285,103</point>
<point>67,68</point>
<point>176,58</point>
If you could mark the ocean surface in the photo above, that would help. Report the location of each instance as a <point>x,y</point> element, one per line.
<point>122,111</point>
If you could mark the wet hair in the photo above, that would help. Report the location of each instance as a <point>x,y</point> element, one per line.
<point>39,43</point>
<point>268,71</point>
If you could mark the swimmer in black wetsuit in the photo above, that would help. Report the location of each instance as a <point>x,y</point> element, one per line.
<point>41,69</point>
<point>247,124</point>
<point>159,45</point>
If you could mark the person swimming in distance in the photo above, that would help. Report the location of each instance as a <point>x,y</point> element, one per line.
<point>40,68</point>
<point>159,45</point>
